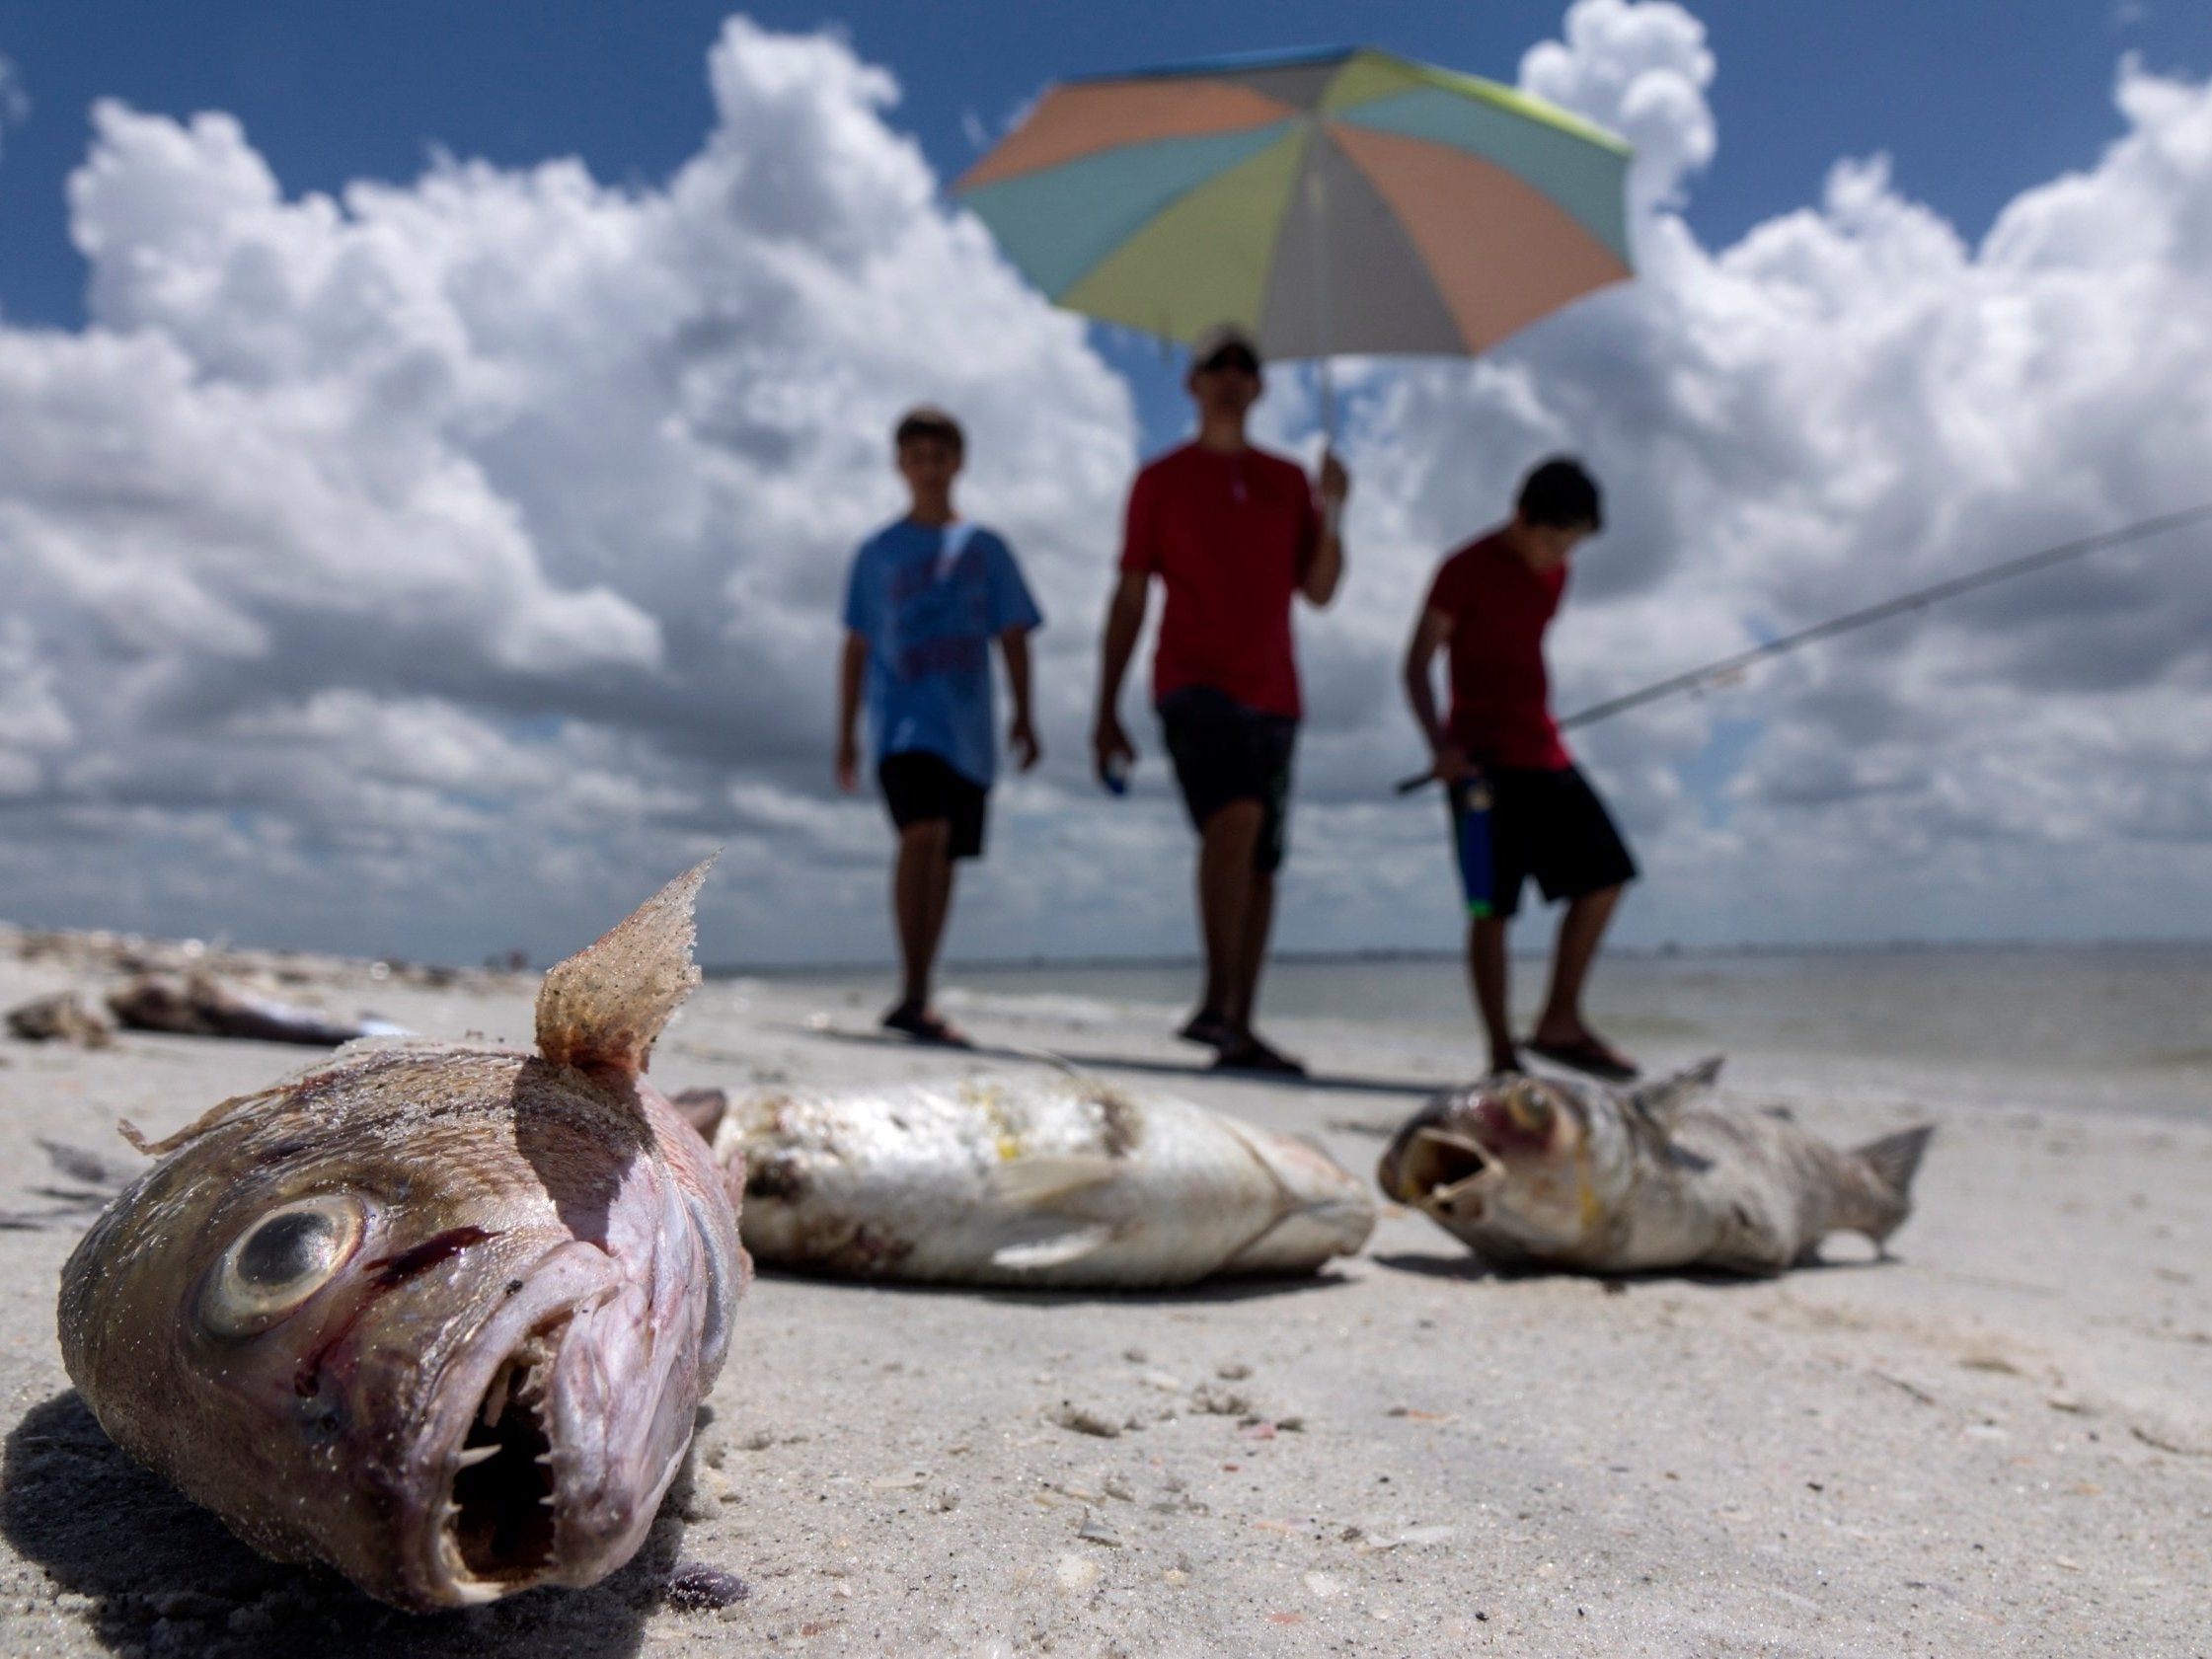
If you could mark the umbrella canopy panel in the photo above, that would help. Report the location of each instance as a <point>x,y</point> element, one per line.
<point>1330,203</point>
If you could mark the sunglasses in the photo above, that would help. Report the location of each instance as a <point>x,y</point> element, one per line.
<point>1230,357</point>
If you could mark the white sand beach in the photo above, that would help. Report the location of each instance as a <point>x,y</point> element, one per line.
<point>1997,1443</point>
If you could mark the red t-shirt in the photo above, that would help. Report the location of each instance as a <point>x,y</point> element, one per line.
<point>1502,713</point>
<point>1228,535</point>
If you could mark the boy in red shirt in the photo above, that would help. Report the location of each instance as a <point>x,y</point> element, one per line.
<point>1233,534</point>
<point>1490,603</point>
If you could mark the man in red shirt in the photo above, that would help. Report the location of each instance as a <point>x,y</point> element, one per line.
<point>1490,603</point>
<point>1231,532</point>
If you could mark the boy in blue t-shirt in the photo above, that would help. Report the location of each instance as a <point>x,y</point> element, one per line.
<point>926,597</point>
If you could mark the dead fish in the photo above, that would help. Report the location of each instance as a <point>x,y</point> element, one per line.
<point>1574,1174</point>
<point>201,1005</point>
<point>438,1315</point>
<point>1065,1181</point>
<point>65,1016</point>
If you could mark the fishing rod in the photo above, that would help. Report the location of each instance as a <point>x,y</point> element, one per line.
<point>1912,601</point>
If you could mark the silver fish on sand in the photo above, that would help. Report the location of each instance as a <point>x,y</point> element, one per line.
<point>1045,1181</point>
<point>438,1315</point>
<point>1535,1171</point>
<point>199,1005</point>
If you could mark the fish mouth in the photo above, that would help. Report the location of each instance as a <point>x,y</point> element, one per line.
<point>1440,1170</point>
<point>490,1483</point>
<point>502,1522</point>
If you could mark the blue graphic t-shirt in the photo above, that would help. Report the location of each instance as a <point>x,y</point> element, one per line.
<point>929,600</point>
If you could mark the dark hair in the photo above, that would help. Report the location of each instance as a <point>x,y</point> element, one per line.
<point>1559,494</point>
<point>927,421</point>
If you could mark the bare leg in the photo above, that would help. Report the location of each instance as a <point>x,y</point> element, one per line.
<point>1487,969</point>
<point>1225,893</point>
<point>1252,957</point>
<point>1580,930</point>
<point>920,899</point>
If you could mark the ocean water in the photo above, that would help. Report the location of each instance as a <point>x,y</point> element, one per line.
<point>2106,1024</point>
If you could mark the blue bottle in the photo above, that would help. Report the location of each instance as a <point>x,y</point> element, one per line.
<point>1471,813</point>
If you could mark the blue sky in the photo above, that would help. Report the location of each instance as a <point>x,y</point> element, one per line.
<point>1973,100</point>
<point>414,552</point>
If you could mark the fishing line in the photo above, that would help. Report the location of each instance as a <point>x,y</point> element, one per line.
<point>1913,601</point>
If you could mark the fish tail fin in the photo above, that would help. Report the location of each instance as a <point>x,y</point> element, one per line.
<point>1892,1161</point>
<point>601,1009</point>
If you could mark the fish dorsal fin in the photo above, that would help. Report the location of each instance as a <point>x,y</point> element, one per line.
<point>1896,1159</point>
<point>602,1007</point>
<point>1660,1103</point>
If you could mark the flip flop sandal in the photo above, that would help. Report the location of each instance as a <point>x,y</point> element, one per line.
<point>925,1026</point>
<point>1209,1030</point>
<point>1588,1056</point>
<point>1252,1055</point>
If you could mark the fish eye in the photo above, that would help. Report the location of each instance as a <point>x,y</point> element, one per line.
<point>278,1262</point>
<point>1531,1110</point>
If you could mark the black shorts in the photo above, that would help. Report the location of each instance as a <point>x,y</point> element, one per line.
<point>919,787</point>
<point>1223,752</point>
<point>1548,824</point>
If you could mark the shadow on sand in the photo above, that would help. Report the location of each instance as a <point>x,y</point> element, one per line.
<point>165,1577</point>
<point>1206,1293</point>
<point>1472,1267</point>
<point>1064,1059</point>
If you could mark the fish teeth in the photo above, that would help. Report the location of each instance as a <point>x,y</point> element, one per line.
<point>469,1459</point>
<point>496,1396</point>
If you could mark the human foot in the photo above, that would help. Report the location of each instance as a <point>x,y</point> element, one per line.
<point>918,1022</point>
<point>1209,1029</point>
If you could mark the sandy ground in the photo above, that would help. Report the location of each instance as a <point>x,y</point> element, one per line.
<point>2000,1443</point>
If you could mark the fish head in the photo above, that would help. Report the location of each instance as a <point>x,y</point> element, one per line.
<point>437,1315</point>
<point>1504,1164</point>
<point>450,1351</point>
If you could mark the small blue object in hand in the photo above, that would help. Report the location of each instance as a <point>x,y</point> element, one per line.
<point>1114,775</point>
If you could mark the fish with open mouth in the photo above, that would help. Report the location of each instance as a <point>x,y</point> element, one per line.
<point>1538,1171</point>
<point>438,1315</point>
<point>1057,1181</point>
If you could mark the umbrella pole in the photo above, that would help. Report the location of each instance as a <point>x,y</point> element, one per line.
<point>1316,199</point>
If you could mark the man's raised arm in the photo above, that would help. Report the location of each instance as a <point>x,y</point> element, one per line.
<point>1324,565</point>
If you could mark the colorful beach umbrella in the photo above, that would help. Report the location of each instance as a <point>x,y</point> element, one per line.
<point>1334,202</point>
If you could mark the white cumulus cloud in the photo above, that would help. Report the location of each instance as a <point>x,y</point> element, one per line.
<point>492,522</point>
<point>441,564</point>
